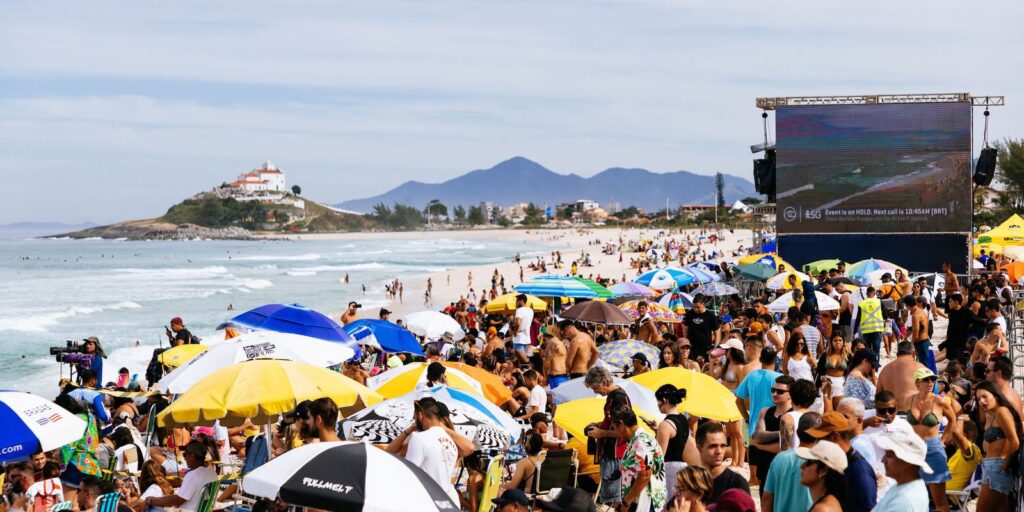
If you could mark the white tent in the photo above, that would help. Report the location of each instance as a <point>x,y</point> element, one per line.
<point>739,206</point>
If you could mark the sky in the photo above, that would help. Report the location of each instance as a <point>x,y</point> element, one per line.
<point>111,110</point>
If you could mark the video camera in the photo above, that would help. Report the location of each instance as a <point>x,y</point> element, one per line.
<point>72,353</point>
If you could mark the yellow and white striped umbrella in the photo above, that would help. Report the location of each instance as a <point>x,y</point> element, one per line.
<point>404,379</point>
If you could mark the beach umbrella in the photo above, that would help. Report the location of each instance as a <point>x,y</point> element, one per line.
<point>600,290</point>
<point>934,280</point>
<point>596,312</point>
<point>343,475</point>
<point>1015,270</point>
<point>177,356</point>
<point>493,387</point>
<point>406,379</point>
<point>977,265</point>
<point>815,267</point>
<point>1015,252</point>
<point>757,271</point>
<point>387,336</point>
<point>656,311</point>
<point>859,270</point>
<point>767,259</point>
<point>255,345</point>
<point>433,325</point>
<point>630,289</point>
<point>715,289</point>
<point>705,396</point>
<point>575,389</point>
<point>576,415</point>
<point>706,265</point>
<point>703,276</point>
<point>666,278</point>
<point>556,286</point>
<point>32,423</point>
<point>506,304</point>
<point>785,301</point>
<point>781,281</point>
<point>473,416</point>
<point>295,319</point>
<point>262,390</point>
<point>677,302</point>
<point>620,353</point>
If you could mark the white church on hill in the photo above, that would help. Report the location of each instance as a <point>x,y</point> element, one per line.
<point>266,178</point>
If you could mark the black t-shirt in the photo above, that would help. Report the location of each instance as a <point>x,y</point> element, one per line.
<point>185,337</point>
<point>699,327</point>
<point>727,480</point>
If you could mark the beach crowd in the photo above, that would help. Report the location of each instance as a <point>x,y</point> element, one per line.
<point>899,399</point>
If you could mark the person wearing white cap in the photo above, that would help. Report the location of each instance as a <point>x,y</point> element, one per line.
<point>822,473</point>
<point>904,461</point>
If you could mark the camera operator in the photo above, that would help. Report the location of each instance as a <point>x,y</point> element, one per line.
<point>88,395</point>
<point>91,347</point>
<point>178,334</point>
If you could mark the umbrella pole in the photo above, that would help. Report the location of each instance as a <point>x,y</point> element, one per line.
<point>270,441</point>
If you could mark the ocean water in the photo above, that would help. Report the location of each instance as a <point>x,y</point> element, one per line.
<point>124,292</point>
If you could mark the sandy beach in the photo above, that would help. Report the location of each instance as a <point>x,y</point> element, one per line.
<point>451,285</point>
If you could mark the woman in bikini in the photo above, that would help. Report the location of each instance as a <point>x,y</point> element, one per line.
<point>1001,444</point>
<point>833,364</point>
<point>924,415</point>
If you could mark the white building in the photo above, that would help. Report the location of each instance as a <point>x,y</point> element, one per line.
<point>266,178</point>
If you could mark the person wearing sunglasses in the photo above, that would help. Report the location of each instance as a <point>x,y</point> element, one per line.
<point>767,438</point>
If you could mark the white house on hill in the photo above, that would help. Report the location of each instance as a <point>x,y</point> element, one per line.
<point>266,178</point>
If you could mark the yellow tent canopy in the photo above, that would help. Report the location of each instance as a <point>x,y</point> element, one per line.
<point>989,248</point>
<point>1010,232</point>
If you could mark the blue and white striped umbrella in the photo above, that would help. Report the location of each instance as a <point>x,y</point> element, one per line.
<point>387,336</point>
<point>702,275</point>
<point>31,423</point>
<point>715,289</point>
<point>556,286</point>
<point>666,278</point>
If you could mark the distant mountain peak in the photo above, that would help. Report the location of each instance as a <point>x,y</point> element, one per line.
<point>519,180</point>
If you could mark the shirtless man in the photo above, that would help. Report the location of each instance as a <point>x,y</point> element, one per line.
<point>951,285</point>
<point>554,361</point>
<point>351,314</point>
<point>355,372</point>
<point>582,349</point>
<point>647,330</point>
<point>897,377</point>
<point>918,327</point>
<point>985,346</point>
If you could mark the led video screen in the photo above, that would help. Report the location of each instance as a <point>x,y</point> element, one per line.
<point>897,168</point>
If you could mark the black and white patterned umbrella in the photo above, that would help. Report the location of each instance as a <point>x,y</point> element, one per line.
<point>472,415</point>
<point>347,476</point>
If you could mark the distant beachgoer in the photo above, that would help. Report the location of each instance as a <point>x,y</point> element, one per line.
<point>364,289</point>
<point>346,278</point>
<point>231,307</point>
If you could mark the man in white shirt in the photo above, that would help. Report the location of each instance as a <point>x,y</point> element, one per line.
<point>431,448</point>
<point>904,460</point>
<point>521,327</point>
<point>187,496</point>
<point>538,397</point>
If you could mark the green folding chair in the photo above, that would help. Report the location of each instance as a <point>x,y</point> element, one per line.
<point>64,505</point>
<point>108,502</point>
<point>209,497</point>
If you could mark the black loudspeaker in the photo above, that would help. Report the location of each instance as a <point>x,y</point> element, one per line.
<point>985,170</point>
<point>764,174</point>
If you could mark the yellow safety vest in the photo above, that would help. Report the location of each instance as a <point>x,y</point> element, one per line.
<point>871,320</point>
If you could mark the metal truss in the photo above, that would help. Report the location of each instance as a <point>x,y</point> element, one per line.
<point>877,99</point>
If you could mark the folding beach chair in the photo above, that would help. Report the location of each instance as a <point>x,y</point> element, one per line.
<point>559,469</point>
<point>62,506</point>
<point>108,502</point>
<point>958,500</point>
<point>492,481</point>
<point>208,498</point>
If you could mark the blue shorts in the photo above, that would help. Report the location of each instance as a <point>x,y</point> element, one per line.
<point>992,474</point>
<point>937,460</point>
<point>524,348</point>
<point>557,380</point>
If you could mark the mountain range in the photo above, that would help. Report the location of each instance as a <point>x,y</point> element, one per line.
<point>520,180</point>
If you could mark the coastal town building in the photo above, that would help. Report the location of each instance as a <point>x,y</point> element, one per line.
<point>266,178</point>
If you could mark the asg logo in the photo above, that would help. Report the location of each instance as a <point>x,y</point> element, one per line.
<point>790,214</point>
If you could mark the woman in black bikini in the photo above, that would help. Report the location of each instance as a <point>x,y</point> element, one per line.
<point>1002,442</point>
